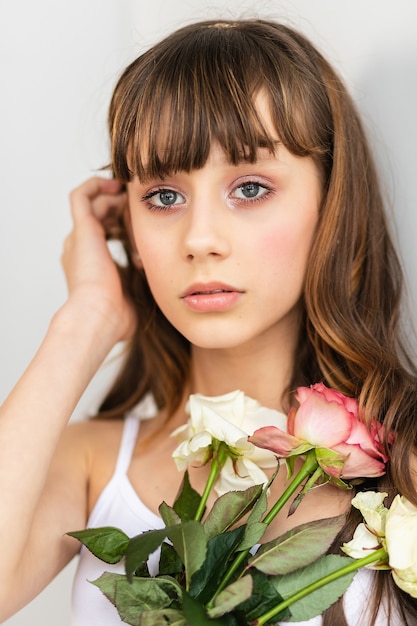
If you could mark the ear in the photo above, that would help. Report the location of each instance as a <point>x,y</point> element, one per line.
<point>133,251</point>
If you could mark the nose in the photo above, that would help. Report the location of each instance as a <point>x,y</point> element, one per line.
<point>207,231</point>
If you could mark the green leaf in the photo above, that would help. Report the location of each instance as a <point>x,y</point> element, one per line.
<point>229,508</point>
<point>298,547</point>
<point>169,561</point>
<point>141,546</point>
<point>259,509</point>
<point>162,617</point>
<point>253,534</point>
<point>318,601</point>
<point>143,570</point>
<point>107,543</point>
<point>220,548</point>
<point>232,596</point>
<point>142,594</point>
<point>187,501</point>
<point>195,613</point>
<point>169,516</point>
<point>290,463</point>
<point>255,529</point>
<point>190,543</point>
<point>264,597</point>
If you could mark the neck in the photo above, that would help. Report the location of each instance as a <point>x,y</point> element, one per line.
<point>262,372</point>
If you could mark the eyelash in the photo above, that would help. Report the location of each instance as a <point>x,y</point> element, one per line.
<point>156,207</point>
<point>267,192</point>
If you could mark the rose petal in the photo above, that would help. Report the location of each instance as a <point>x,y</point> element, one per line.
<point>242,475</point>
<point>358,463</point>
<point>406,580</point>
<point>401,534</point>
<point>362,544</point>
<point>360,435</point>
<point>330,395</point>
<point>370,504</point>
<point>275,439</point>
<point>322,423</point>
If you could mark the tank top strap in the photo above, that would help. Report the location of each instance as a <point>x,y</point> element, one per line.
<point>127,444</point>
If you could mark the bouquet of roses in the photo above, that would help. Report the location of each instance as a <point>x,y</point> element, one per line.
<point>213,570</point>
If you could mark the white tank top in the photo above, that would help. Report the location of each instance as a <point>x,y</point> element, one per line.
<point>120,506</point>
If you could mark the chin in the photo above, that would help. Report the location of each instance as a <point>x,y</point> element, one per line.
<point>218,341</point>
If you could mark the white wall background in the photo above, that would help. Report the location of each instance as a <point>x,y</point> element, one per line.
<point>58,63</point>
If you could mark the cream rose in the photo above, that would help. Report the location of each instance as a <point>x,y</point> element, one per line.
<point>370,504</point>
<point>401,542</point>
<point>229,419</point>
<point>363,542</point>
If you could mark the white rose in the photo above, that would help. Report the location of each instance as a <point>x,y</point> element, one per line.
<point>363,543</point>
<point>401,542</point>
<point>370,504</point>
<point>229,418</point>
<point>368,536</point>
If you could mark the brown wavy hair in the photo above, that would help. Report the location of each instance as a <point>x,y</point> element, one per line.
<point>203,81</point>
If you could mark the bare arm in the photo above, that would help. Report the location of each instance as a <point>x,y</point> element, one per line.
<point>37,484</point>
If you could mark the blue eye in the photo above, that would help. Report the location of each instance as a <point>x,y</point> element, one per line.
<point>167,197</point>
<point>163,198</point>
<point>250,190</point>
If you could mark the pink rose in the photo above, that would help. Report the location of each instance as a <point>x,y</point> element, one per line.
<point>327,421</point>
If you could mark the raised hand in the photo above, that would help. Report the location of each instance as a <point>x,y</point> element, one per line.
<point>92,276</point>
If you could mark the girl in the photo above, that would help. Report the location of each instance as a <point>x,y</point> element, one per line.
<point>258,258</point>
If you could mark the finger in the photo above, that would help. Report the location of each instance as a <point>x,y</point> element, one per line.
<point>109,206</point>
<point>82,197</point>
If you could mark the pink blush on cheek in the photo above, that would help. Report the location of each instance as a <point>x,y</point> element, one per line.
<point>285,253</point>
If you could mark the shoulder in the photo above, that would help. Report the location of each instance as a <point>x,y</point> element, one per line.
<point>87,439</point>
<point>95,445</point>
<point>93,432</point>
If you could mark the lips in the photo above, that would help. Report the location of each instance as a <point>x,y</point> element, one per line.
<point>211,297</point>
<point>209,288</point>
<point>198,293</point>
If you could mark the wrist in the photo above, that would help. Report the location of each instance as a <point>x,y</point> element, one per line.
<point>87,325</point>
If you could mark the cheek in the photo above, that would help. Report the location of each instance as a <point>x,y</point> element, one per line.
<point>150,257</point>
<point>285,249</point>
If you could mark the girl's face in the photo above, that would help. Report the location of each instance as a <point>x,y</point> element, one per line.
<point>225,247</point>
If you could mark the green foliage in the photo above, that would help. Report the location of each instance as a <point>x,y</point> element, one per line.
<point>141,595</point>
<point>170,562</point>
<point>264,597</point>
<point>107,543</point>
<point>187,501</point>
<point>297,547</point>
<point>229,509</point>
<point>197,559</point>
<point>190,543</point>
<point>250,596</point>
<point>169,516</point>
<point>318,601</point>
<point>195,613</point>
<point>162,617</point>
<point>255,528</point>
<point>220,549</point>
<point>140,547</point>
<point>232,596</point>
